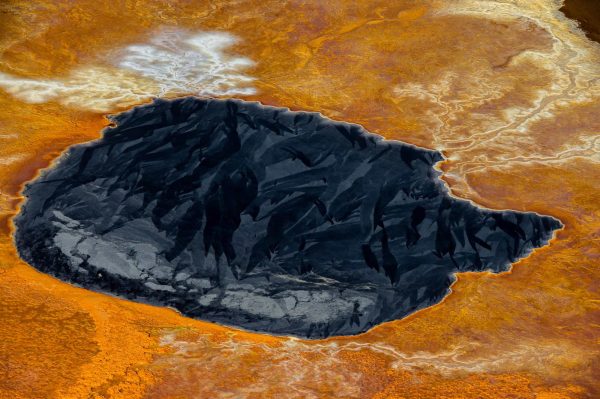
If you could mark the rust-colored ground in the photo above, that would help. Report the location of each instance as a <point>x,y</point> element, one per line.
<point>509,91</point>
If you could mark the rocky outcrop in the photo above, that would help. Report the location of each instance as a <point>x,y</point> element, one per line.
<point>262,218</point>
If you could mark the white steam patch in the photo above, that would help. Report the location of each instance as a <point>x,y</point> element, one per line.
<point>174,62</point>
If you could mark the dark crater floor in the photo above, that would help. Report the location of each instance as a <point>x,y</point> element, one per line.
<point>261,218</point>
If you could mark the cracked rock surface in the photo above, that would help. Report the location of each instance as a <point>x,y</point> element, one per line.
<point>262,218</point>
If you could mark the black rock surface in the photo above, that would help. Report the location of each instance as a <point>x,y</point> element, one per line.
<point>261,218</point>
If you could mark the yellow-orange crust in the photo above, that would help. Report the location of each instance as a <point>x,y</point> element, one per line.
<point>510,92</point>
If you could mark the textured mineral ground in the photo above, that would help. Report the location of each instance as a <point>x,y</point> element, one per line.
<point>507,90</point>
<point>262,218</point>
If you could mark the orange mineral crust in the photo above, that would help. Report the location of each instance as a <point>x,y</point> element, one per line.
<point>508,91</point>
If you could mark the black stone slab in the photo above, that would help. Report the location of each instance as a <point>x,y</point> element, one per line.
<point>261,218</point>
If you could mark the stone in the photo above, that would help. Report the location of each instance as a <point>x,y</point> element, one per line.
<point>262,218</point>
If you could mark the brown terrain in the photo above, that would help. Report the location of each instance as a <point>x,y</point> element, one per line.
<point>509,91</point>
